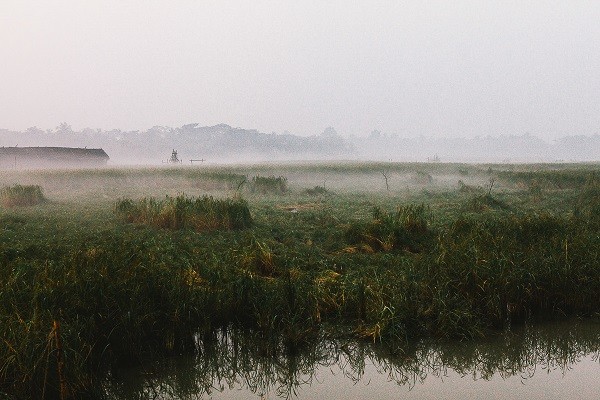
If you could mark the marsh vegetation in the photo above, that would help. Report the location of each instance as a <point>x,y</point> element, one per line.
<point>181,212</point>
<point>19,196</point>
<point>120,266</point>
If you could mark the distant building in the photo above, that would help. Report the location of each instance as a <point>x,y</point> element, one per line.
<point>51,157</point>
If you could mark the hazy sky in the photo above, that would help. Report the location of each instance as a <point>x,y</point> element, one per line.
<point>451,68</point>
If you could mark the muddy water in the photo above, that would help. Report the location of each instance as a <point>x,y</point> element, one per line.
<point>555,361</point>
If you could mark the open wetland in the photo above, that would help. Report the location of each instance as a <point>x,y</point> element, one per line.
<point>340,280</point>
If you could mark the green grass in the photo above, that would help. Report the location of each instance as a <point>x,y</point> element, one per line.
<point>484,202</point>
<point>405,229</point>
<point>21,195</point>
<point>126,278</point>
<point>181,212</point>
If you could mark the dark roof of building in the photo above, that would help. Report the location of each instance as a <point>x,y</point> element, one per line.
<point>51,152</point>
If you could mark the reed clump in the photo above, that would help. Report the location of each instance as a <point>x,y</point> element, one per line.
<point>495,271</point>
<point>181,212</point>
<point>219,180</point>
<point>258,258</point>
<point>269,184</point>
<point>317,191</point>
<point>115,297</point>
<point>484,202</point>
<point>587,206</point>
<point>408,228</point>
<point>21,195</point>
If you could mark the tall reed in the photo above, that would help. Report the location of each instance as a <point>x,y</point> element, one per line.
<point>21,195</point>
<point>269,185</point>
<point>181,212</point>
<point>405,229</point>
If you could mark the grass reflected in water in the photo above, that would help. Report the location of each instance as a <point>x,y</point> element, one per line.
<point>241,364</point>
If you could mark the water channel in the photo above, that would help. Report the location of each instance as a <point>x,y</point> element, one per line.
<point>549,361</point>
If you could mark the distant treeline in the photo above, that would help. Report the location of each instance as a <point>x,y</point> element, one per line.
<point>222,143</point>
<point>217,143</point>
<point>496,149</point>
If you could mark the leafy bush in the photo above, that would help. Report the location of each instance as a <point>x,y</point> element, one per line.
<point>181,212</point>
<point>19,195</point>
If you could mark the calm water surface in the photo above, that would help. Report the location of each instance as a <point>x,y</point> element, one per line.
<point>553,361</point>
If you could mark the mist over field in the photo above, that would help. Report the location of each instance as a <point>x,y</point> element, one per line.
<point>225,144</point>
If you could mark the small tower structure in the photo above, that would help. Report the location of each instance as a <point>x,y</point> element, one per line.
<point>174,158</point>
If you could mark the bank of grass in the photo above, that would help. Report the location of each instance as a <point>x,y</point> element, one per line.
<point>181,212</point>
<point>21,195</point>
<point>119,291</point>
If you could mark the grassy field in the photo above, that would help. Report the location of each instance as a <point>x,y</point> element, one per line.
<point>116,264</point>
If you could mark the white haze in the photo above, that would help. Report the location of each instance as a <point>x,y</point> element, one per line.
<point>433,68</point>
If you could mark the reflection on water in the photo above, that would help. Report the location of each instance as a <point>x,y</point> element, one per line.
<point>552,361</point>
